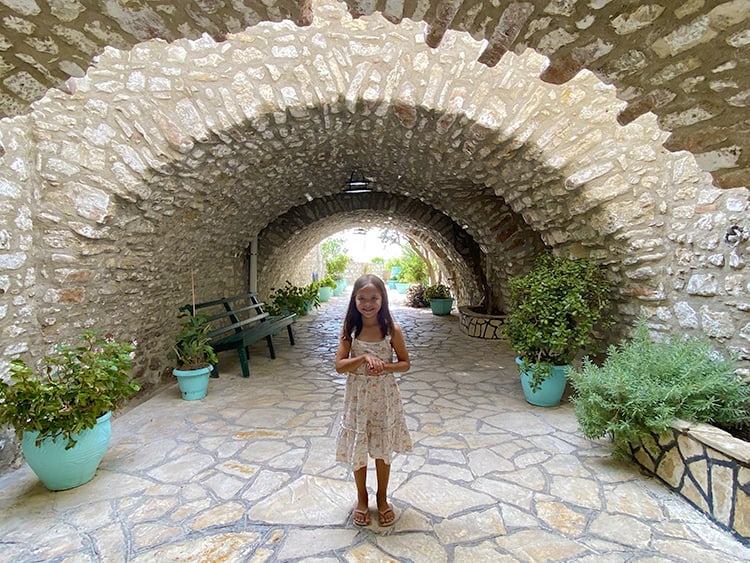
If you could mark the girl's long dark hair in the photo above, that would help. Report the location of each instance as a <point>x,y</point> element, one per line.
<point>353,319</point>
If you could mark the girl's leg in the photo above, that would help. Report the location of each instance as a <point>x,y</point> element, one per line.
<point>385,511</point>
<point>362,512</point>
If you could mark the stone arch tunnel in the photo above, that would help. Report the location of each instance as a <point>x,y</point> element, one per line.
<point>197,129</point>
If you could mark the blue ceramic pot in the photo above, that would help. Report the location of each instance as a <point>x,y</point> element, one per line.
<point>60,469</point>
<point>552,388</point>
<point>193,383</point>
<point>441,306</point>
<point>340,287</point>
<point>401,287</point>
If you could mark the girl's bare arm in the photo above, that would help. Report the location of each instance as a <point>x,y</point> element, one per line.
<point>402,362</point>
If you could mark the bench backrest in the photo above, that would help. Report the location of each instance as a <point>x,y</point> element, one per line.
<point>230,314</point>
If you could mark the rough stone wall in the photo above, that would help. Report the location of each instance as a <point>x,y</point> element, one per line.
<point>685,61</point>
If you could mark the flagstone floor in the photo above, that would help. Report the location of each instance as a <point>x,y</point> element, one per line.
<point>248,473</point>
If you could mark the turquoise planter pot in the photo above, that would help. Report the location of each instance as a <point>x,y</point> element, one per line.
<point>60,469</point>
<point>340,287</point>
<point>324,293</point>
<point>551,391</point>
<point>392,284</point>
<point>441,306</point>
<point>401,287</point>
<point>193,383</point>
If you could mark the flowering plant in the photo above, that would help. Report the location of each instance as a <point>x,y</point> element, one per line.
<point>78,385</point>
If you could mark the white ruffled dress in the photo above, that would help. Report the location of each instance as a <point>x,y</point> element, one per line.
<point>373,421</point>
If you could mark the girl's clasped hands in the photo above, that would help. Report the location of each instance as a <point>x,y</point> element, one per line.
<point>374,365</point>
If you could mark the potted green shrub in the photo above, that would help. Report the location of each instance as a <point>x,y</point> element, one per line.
<point>325,288</point>
<point>293,299</point>
<point>62,416</point>
<point>555,310</point>
<point>336,268</point>
<point>194,356</point>
<point>642,386</point>
<point>439,298</point>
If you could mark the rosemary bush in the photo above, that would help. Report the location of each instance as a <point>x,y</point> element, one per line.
<point>643,385</point>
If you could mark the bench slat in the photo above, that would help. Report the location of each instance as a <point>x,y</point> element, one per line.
<point>257,325</point>
<point>238,324</point>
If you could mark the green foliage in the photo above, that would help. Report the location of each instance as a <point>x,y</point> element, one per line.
<point>394,263</point>
<point>437,291</point>
<point>192,346</point>
<point>334,256</point>
<point>332,246</point>
<point>378,260</point>
<point>336,266</point>
<point>293,299</point>
<point>414,270</point>
<point>643,385</point>
<point>556,308</point>
<point>414,296</point>
<point>327,281</point>
<point>78,385</point>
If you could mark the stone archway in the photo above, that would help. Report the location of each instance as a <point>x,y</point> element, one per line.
<point>169,158</point>
<point>463,255</point>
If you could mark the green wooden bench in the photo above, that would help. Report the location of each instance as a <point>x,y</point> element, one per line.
<point>239,321</point>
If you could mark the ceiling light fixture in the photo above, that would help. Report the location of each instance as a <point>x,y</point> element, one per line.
<point>357,183</point>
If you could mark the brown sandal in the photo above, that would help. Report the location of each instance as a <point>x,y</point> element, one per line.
<point>361,517</point>
<point>386,517</point>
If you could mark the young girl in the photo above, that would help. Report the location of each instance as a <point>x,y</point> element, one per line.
<point>373,421</point>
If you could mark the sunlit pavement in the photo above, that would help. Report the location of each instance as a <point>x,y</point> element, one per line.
<point>248,473</point>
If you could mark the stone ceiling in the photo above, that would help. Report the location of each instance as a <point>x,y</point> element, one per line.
<point>687,62</point>
<point>169,155</point>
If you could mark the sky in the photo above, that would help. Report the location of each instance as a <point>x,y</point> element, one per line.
<point>363,247</point>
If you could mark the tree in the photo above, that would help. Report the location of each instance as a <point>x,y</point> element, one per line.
<point>332,247</point>
<point>406,242</point>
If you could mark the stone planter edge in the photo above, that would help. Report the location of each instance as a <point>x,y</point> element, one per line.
<point>705,465</point>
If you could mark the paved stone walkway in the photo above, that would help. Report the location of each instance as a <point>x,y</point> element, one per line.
<point>248,473</point>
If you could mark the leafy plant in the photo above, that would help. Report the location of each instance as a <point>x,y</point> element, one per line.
<point>78,385</point>
<point>327,281</point>
<point>293,298</point>
<point>336,266</point>
<point>192,346</point>
<point>643,385</point>
<point>555,309</point>
<point>413,269</point>
<point>437,291</point>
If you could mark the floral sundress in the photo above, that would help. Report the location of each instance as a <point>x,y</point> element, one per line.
<point>373,421</point>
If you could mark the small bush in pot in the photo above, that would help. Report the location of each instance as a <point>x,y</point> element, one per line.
<point>192,345</point>
<point>555,311</point>
<point>437,291</point>
<point>327,281</point>
<point>293,299</point>
<point>78,384</point>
